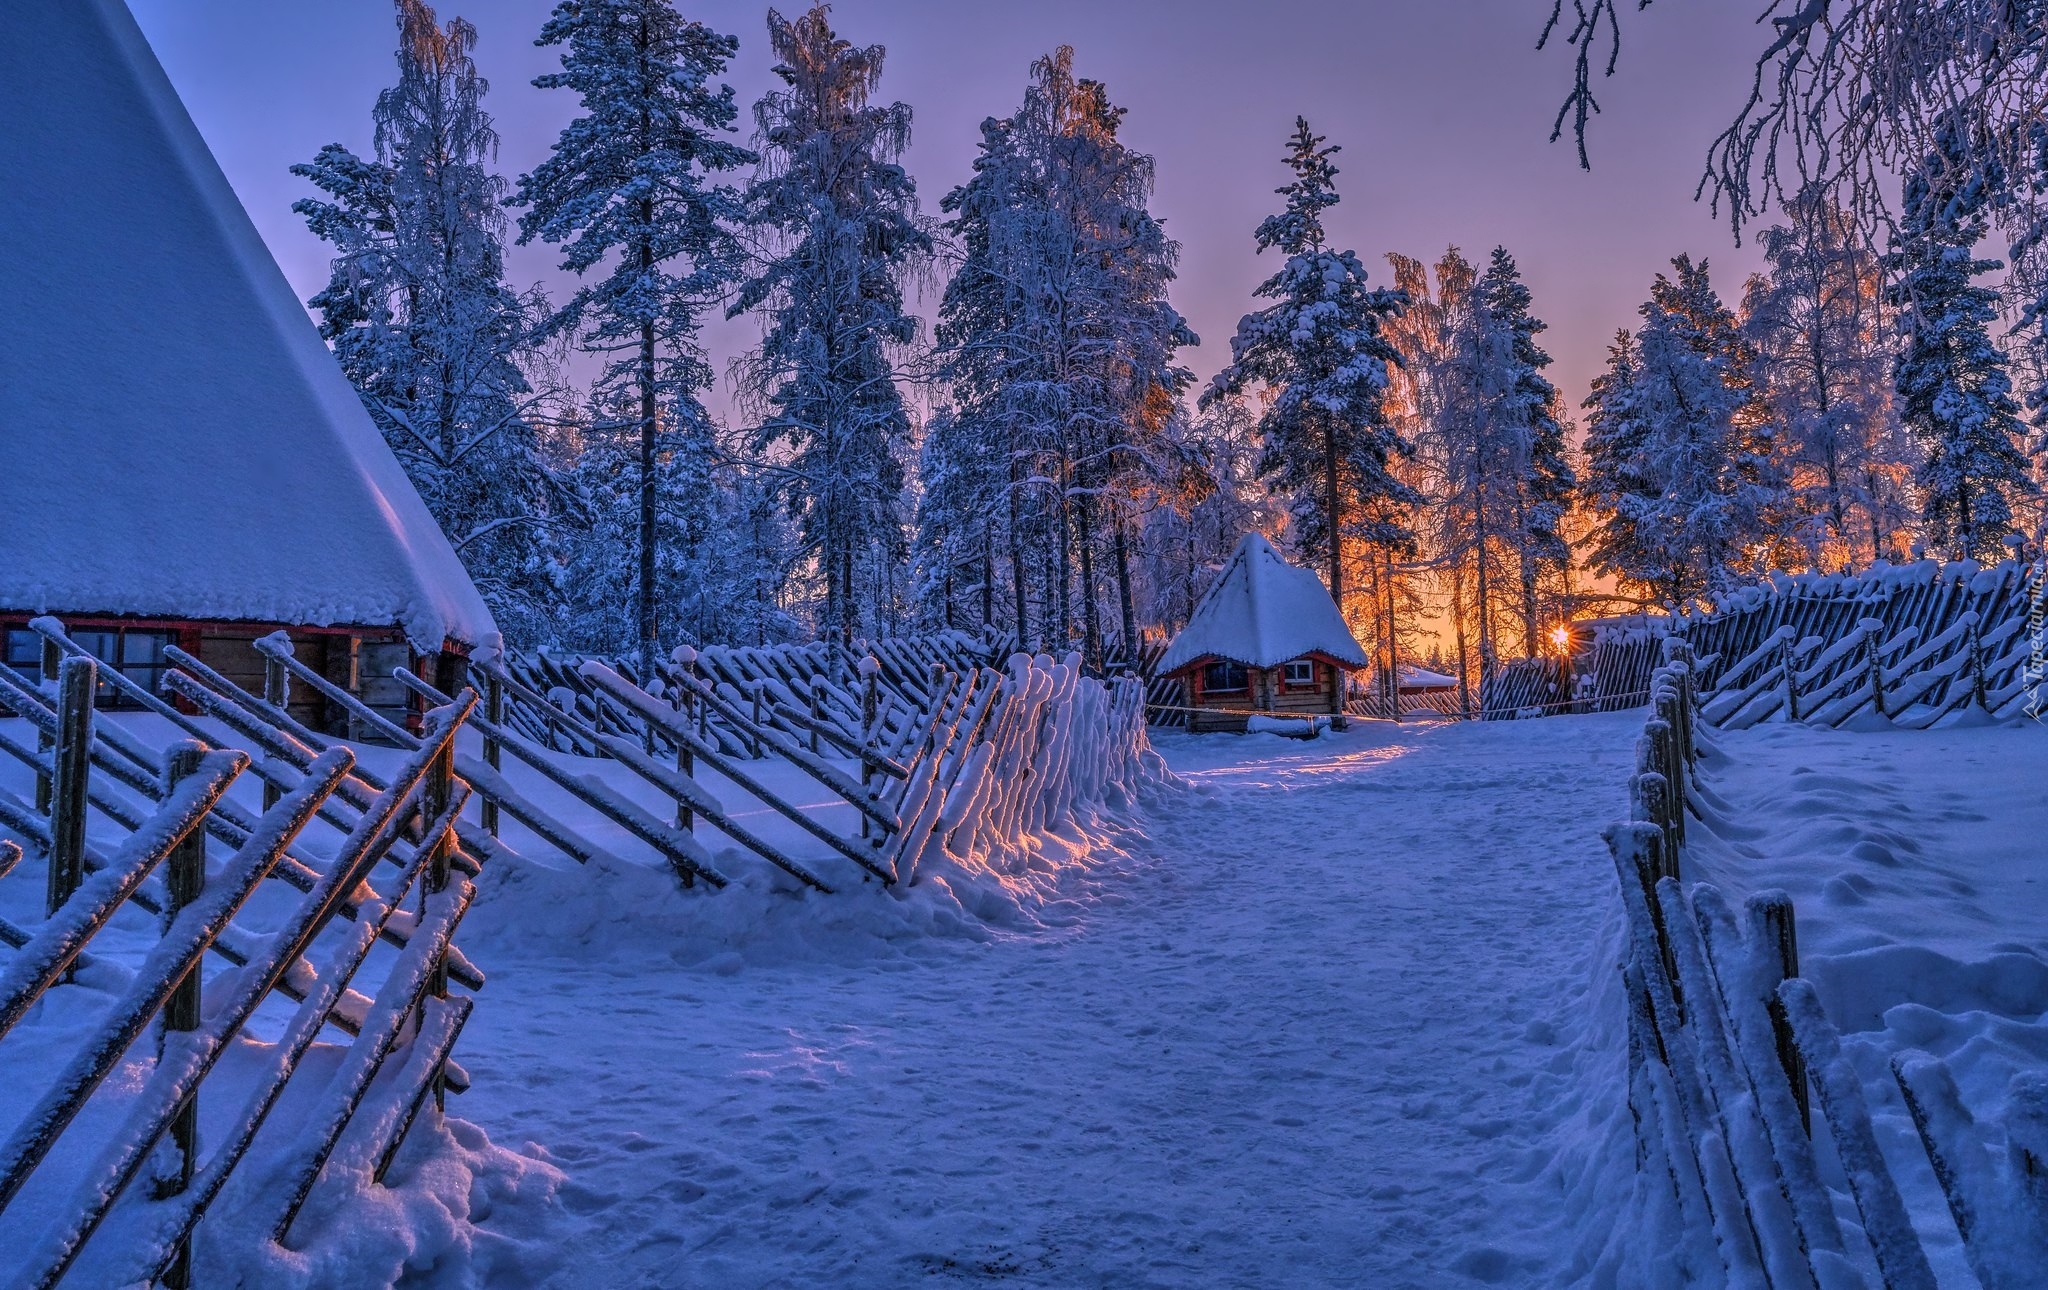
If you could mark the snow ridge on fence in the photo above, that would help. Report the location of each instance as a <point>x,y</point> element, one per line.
<point>1729,1047</point>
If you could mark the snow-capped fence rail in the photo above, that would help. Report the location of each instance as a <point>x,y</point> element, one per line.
<point>1726,1044</point>
<point>114,976</point>
<point>1909,644</point>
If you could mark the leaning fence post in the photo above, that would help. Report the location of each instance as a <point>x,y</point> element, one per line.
<point>53,659</point>
<point>1776,938</point>
<point>70,764</point>
<point>185,881</point>
<point>1791,682</point>
<point>494,711</point>
<point>276,693</point>
<point>817,709</point>
<point>435,794</point>
<point>869,666</point>
<point>686,762</point>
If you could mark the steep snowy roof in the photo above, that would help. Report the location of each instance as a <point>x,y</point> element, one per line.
<point>1263,611</point>
<point>175,440</point>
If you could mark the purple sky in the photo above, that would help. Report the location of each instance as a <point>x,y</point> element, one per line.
<point>1442,108</point>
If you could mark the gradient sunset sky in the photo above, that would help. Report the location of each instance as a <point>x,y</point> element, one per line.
<point>1443,109</point>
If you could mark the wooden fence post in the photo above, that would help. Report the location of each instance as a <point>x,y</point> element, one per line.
<point>276,693</point>
<point>435,794</point>
<point>71,763</point>
<point>1791,683</point>
<point>1776,938</point>
<point>185,881</point>
<point>494,712</point>
<point>686,762</point>
<point>869,666</point>
<point>817,709</point>
<point>53,659</point>
<point>1876,673</point>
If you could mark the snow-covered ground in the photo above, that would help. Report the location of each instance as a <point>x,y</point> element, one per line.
<point>1337,1013</point>
<point>1341,1012</point>
<point>1918,867</point>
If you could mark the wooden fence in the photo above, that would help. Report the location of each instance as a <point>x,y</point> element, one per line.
<point>1910,644</point>
<point>792,688</point>
<point>985,760</point>
<point>158,908</point>
<point>1729,1049</point>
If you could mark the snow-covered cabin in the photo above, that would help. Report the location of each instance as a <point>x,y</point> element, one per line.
<point>1266,637</point>
<point>181,459</point>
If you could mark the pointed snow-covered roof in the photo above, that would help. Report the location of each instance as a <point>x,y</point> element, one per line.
<point>1261,612</point>
<point>175,440</point>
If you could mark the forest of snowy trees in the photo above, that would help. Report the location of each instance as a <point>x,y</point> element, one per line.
<point>1034,455</point>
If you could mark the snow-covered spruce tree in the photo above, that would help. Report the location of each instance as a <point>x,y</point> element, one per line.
<point>839,220</point>
<point>1681,477</point>
<point>627,191</point>
<point>417,309</point>
<point>1057,339</point>
<point>1816,322</point>
<point>722,543</point>
<point>1527,414</point>
<point>1319,350</point>
<point>959,500</point>
<point>1955,394</point>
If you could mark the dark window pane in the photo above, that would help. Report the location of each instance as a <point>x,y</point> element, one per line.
<point>143,647</point>
<point>25,651</point>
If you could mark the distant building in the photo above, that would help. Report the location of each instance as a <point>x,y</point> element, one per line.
<point>184,461</point>
<point>1266,638</point>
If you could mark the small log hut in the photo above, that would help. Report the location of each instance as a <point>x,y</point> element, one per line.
<point>1266,640</point>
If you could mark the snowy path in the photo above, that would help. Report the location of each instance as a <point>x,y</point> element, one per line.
<point>1323,1026</point>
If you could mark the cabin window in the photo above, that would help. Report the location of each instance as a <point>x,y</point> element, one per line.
<point>1225,678</point>
<point>1301,673</point>
<point>136,654</point>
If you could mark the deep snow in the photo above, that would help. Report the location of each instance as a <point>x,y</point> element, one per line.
<point>1339,1015</point>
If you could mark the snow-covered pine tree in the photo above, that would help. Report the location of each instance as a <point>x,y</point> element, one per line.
<point>1955,394</point>
<point>1823,362</point>
<point>959,498</point>
<point>1320,352</point>
<point>1620,485</point>
<point>722,543</point>
<point>1528,415</point>
<point>842,233</point>
<point>627,190</point>
<point>417,309</point>
<point>1677,470</point>
<point>1057,339</point>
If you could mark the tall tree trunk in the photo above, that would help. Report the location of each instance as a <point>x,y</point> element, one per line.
<point>1333,509</point>
<point>1484,598</point>
<point>650,636</point>
<point>1018,588</point>
<point>1065,553</point>
<point>1091,613</point>
<point>1393,630</point>
<point>1458,625</point>
<point>1123,593</point>
<point>988,581</point>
